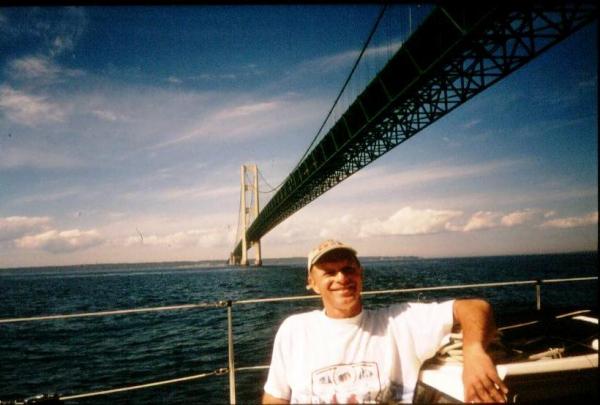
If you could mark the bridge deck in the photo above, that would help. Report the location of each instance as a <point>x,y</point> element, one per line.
<point>456,53</point>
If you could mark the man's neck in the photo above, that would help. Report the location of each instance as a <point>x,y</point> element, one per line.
<point>336,313</point>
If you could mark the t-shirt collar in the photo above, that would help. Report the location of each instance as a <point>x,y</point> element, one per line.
<point>355,320</point>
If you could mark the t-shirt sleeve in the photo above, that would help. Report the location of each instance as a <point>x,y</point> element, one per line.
<point>429,323</point>
<point>277,384</point>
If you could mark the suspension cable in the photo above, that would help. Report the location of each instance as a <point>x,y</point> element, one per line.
<point>362,51</point>
<point>266,182</point>
<point>364,48</point>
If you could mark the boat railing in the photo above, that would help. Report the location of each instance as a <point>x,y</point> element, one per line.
<point>229,304</point>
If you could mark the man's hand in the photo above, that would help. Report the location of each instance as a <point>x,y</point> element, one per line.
<point>480,378</point>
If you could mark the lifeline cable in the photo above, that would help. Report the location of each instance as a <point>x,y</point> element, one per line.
<point>364,48</point>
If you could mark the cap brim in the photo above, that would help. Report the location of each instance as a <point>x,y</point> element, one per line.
<point>328,250</point>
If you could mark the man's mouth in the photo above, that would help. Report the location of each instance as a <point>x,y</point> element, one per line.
<point>349,289</point>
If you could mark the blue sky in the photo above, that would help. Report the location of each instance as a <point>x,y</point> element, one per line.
<point>115,120</point>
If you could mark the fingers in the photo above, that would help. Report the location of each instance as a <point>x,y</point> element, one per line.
<point>485,391</point>
<point>496,387</point>
<point>481,380</point>
<point>496,394</point>
<point>499,384</point>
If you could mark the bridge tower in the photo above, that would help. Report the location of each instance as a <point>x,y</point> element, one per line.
<point>249,208</point>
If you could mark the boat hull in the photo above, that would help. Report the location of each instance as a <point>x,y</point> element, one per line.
<point>549,356</point>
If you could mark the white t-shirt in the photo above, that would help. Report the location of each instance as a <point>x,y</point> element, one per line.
<point>372,357</point>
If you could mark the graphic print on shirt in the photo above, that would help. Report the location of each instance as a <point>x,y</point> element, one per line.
<point>346,383</point>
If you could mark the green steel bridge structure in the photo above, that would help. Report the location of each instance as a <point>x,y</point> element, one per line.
<point>457,52</point>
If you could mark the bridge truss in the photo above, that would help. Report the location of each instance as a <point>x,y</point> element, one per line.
<point>459,51</point>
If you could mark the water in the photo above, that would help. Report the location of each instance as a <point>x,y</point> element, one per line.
<point>82,355</point>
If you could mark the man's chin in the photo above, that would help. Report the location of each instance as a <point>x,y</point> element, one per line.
<point>348,300</point>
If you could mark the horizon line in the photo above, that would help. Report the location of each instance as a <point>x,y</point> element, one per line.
<point>224,262</point>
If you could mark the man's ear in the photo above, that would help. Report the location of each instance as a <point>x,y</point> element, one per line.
<point>311,285</point>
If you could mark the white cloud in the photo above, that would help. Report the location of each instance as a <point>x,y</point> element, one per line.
<point>346,58</point>
<point>60,44</point>
<point>204,238</point>
<point>197,192</point>
<point>54,241</point>
<point>482,220</point>
<point>247,109</point>
<point>28,109</point>
<point>16,226</point>
<point>213,77</point>
<point>52,30</point>
<point>381,178</point>
<point>45,197</point>
<point>32,67</point>
<point>245,121</point>
<point>410,221</point>
<point>62,31</point>
<point>519,217</point>
<point>40,68</point>
<point>40,158</point>
<point>68,32</point>
<point>174,80</point>
<point>187,193</point>
<point>231,74</point>
<point>572,222</point>
<point>488,219</point>
<point>407,221</point>
<point>293,230</point>
<point>108,115</point>
<point>472,123</point>
<point>345,225</point>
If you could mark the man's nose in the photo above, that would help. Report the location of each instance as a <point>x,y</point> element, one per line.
<point>341,276</point>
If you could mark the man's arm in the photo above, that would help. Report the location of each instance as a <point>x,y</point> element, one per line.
<point>269,399</point>
<point>480,378</point>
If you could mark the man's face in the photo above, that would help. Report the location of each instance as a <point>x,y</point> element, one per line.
<point>338,279</point>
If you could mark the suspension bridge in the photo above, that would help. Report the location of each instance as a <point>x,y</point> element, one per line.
<point>457,52</point>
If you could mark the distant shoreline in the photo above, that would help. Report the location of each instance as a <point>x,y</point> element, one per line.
<point>275,261</point>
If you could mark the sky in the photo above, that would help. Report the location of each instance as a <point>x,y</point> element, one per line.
<point>122,132</point>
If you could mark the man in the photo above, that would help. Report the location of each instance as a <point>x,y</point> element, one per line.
<point>345,354</point>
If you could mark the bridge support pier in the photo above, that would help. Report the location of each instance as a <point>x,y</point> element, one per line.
<point>257,257</point>
<point>232,259</point>
<point>249,208</point>
<point>244,214</point>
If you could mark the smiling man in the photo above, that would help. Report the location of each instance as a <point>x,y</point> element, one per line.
<point>347,354</point>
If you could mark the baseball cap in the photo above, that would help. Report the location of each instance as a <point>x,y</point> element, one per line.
<point>325,247</point>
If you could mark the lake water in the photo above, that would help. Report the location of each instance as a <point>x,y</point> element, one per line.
<point>81,355</point>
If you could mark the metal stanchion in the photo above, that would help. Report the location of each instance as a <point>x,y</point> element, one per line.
<point>230,352</point>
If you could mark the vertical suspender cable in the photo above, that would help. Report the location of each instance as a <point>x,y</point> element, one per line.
<point>362,51</point>
<point>360,55</point>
